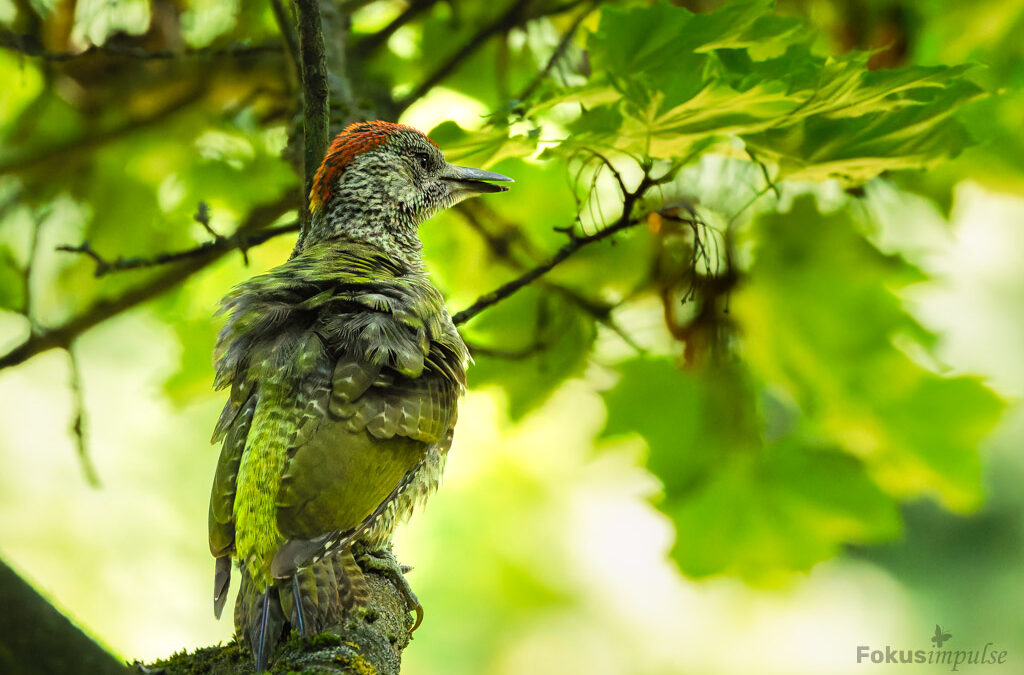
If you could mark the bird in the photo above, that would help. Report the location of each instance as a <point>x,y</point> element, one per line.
<point>344,371</point>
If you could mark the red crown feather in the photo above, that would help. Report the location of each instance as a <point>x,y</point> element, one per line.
<point>353,140</point>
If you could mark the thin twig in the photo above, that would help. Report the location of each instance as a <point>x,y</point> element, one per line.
<point>242,241</point>
<point>86,249</point>
<point>372,43</point>
<point>63,335</point>
<point>625,221</point>
<point>514,16</point>
<point>611,167</point>
<point>28,45</point>
<point>202,216</point>
<point>563,44</point>
<point>764,171</point>
<point>750,202</point>
<point>286,25</point>
<point>26,273</point>
<point>78,420</point>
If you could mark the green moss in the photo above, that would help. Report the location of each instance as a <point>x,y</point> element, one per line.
<point>321,641</point>
<point>230,658</point>
<point>356,663</point>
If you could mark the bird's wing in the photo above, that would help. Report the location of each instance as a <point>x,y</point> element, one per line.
<point>350,365</point>
<point>378,429</point>
<point>234,429</point>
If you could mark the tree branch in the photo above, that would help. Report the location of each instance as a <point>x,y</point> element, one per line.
<point>514,16</point>
<point>337,24</point>
<point>315,96</point>
<point>241,240</point>
<point>575,243</point>
<point>370,642</point>
<point>39,639</point>
<point>28,45</point>
<point>63,335</point>
<point>287,27</point>
<point>58,152</point>
<point>372,43</point>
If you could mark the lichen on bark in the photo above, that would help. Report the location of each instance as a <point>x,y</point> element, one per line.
<point>370,642</point>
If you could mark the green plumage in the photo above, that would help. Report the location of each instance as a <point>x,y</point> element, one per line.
<point>344,370</point>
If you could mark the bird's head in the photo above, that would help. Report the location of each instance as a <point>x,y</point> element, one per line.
<point>380,180</point>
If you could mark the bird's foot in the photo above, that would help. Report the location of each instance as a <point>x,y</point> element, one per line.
<point>384,562</point>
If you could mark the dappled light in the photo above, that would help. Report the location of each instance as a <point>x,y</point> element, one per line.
<point>744,332</point>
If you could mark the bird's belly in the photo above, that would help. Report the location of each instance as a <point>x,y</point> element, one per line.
<point>339,477</point>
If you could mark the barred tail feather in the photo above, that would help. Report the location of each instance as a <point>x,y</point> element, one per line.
<point>302,598</point>
<point>259,620</point>
<point>311,600</point>
<point>221,584</point>
<point>353,591</point>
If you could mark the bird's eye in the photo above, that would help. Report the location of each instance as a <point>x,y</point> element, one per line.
<point>423,160</point>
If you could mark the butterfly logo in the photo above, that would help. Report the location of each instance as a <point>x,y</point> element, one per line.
<point>940,637</point>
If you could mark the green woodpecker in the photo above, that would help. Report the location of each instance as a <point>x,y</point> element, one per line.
<point>344,370</point>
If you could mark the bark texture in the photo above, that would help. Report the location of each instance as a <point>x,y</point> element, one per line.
<point>369,643</point>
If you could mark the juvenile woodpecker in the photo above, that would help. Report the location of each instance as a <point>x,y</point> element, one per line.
<point>344,370</point>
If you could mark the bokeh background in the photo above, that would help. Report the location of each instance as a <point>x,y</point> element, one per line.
<point>603,510</point>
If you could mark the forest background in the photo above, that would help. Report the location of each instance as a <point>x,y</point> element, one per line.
<point>761,410</point>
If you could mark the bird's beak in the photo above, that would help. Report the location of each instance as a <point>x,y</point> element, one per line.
<point>475,181</point>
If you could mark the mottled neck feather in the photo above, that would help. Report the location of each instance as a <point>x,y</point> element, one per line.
<point>371,204</point>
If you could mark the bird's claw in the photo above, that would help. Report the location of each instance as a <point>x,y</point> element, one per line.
<point>384,562</point>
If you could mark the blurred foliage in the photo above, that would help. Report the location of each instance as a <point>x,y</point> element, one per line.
<point>746,318</point>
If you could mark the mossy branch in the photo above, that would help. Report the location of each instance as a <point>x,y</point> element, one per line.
<point>370,643</point>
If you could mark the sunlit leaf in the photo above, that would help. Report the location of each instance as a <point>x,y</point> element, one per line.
<point>12,286</point>
<point>481,148</point>
<point>818,320</point>
<point>743,502</point>
<point>687,83</point>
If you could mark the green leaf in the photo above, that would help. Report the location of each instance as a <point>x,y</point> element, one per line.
<point>673,84</point>
<point>860,148</point>
<point>483,148</point>
<point>818,319</point>
<point>743,502</point>
<point>784,509</point>
<point>648,41</point>
<point>12,286</point>
<point>690,422</point>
